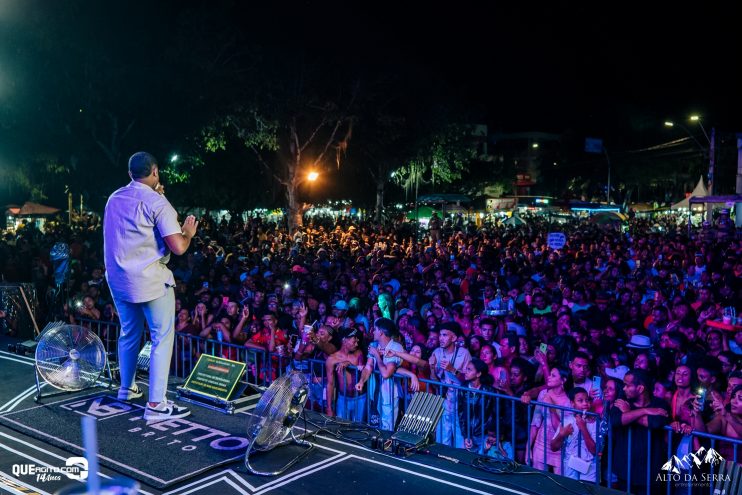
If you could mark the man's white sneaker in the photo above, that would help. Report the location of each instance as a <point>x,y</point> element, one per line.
<point>165,410</point>
<point>129,393</point>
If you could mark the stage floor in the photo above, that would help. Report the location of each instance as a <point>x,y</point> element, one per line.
<point>336,465</point>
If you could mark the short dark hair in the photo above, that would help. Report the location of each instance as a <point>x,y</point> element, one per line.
<point>641,377</point>
<point>453,327</point>
<point>387,326</point>
<point>141,164</point>
<point>581,355</point>
<point>572,393</point>
<point>488,321</point>
<point>512,341</point>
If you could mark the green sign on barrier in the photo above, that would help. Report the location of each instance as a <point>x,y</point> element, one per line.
<point>215,377</point>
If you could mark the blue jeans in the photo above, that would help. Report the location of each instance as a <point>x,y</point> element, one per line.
<point>160,317</point>
<point>351,408</point>
<point>449,431</point>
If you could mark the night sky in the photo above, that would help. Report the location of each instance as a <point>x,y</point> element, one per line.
<point>611,72</point>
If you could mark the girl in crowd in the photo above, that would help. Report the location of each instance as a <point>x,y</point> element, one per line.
<point>463,316</point>
<point>546,421</point>
<point>183,323</point>
<point>202,317</point>
<point>474,343</point>
<point>715,343</point>
<point>321,312</point>
<point>727,421</point>
<point>577,439</point>
<point>521,379</point>
<point>475,409</point>
<point>488,355</point>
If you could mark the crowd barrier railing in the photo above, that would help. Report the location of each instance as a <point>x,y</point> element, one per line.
<point>510,420</point>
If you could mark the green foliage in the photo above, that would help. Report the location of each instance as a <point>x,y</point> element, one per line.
<point>257,131</point>
<point>36,178</point>
<point>181,171</point>
<point>214,138</point>
<point>440,157</point>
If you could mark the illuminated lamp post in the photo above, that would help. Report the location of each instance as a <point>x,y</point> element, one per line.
<point>710,140</point>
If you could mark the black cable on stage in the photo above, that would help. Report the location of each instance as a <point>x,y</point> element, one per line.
<point>345,430</point>
<point>491,465</point>
<point>504,466</point>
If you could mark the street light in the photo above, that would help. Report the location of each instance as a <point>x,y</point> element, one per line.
<point>712,155</point>
<point>696,118</point>
<point>669,123</point>
<point>312,176</point>
<point>174,158</point>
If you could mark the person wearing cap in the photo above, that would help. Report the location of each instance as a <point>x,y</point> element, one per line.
<point>140,230</point>
<point>639,342</point>
<point>447,365</point>
<point>351,404</point>
<point>339,309</point>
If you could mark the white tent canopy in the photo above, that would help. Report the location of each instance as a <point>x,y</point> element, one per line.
<point>698,192</point>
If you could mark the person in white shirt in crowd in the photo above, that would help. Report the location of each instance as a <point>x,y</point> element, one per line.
<point>447,364</point>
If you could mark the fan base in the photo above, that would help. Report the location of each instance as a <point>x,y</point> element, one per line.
<point>308,447</point>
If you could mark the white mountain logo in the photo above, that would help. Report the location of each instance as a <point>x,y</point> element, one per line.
<point>697,458</point>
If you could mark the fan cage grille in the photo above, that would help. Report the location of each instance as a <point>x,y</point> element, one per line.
<point>70,357</point>
<point>268,426</point>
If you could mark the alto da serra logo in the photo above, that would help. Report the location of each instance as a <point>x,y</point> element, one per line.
<point>702,456</point>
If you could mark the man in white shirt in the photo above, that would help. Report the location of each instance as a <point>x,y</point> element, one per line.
<point>446,365</point>
<point>140,229</point>
<point>387,363</point>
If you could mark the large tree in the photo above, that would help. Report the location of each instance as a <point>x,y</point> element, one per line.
<point>440,157</point>
<point>293,123</point>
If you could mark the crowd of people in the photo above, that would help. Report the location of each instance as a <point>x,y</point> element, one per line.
<point>620,322</point>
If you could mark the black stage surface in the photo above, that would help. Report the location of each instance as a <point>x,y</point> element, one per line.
<point>203,453</point>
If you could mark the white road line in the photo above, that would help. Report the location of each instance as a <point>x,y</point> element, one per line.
<point>224,479</point>
<point>22,454</point>
<point>241,480</point>
<point>307,473</point>
<point>234,485</point>
<point>200,482</point>
<point>425,466</point>
<point>6,354</point>
<point>112,461</point>
<point>66,399</point>
<point>21,483</point>
<point>301,472</point>
<point>433,478</point>
<point>47,452</point>
<point>28,363</point>
<point>20,396</point>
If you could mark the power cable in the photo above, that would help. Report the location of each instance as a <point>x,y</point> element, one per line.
<point>356,433</point>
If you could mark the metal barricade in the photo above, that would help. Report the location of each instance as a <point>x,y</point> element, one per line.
<point>506,421</point>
